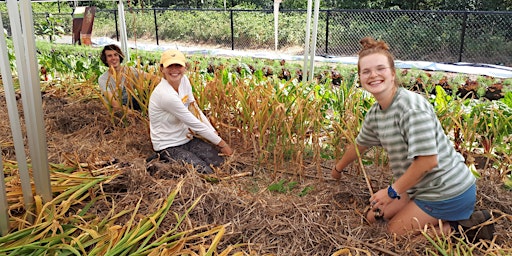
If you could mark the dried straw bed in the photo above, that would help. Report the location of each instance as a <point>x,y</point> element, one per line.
<point>326,220</point>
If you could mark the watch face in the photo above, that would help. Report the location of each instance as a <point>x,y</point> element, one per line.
<point>391,194</point>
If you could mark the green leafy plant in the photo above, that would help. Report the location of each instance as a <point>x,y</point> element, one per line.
<point>507,99</point>
<point>449,112</point>
<point>508,182</point>
<point>49,27</point>
<point>283,186</point>
<point>507,85</point>
<point>305,191</point>
<point>491,123</point>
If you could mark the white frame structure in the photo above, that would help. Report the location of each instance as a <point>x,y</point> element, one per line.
<point>309,54</point>
<point>17,135</point>
<point>22,27</point>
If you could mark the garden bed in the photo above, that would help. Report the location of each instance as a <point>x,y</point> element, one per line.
<point>325,220</point>
<point>273,197</point>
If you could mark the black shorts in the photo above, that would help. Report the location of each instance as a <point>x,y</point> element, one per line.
<point>201,154</point>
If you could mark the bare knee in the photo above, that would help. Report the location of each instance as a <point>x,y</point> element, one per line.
<point>414,227</point>
<point>398,228</point>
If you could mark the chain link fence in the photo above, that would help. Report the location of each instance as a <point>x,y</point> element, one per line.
<point>477,37</point>
<point>438,36</point>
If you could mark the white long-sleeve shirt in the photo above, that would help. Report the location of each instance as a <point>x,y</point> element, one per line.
<point>170,119</point>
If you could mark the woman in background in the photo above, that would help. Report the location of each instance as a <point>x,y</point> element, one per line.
<point>115,81</point>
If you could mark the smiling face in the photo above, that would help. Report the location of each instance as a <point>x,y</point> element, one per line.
<point>377,76</point>
<point>173,74</point>
<point>113,59</point>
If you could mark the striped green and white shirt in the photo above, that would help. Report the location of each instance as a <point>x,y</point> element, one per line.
<point>410,128</point>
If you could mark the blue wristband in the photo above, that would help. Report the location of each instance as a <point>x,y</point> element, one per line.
<point>392,193</point>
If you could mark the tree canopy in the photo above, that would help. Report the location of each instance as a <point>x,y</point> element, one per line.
<point>446,5</point>
<point>478,5</point>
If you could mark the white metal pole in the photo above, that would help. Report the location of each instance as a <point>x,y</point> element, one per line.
<point>122,26</point>
<point>313,44</point>
<point>276,23</point>
<point>306,43</point>
<point>28,75</point>
<point>12,109</point>
<point>4,206</point>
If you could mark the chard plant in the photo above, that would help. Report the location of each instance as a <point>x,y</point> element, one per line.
<point>438,78</point>
<point>492,122</point>
<point>458,80</point>
<point>449,112</point>
<point>507,99</point>
<point>507,85</point>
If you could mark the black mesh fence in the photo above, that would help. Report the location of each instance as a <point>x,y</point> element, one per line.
<point>440,36</point>
<point>426,35</point>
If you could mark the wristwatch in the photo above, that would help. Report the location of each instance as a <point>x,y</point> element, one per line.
<point>392,193</point>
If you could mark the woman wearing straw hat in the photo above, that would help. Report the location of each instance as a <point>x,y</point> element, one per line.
<point>173,126</point>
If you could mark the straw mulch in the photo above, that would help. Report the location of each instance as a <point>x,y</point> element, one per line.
<point>326,220</point>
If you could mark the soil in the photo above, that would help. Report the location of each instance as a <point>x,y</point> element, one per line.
<point>326,220</point>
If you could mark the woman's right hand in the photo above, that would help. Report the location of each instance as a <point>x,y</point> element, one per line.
<point>226,150</point>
